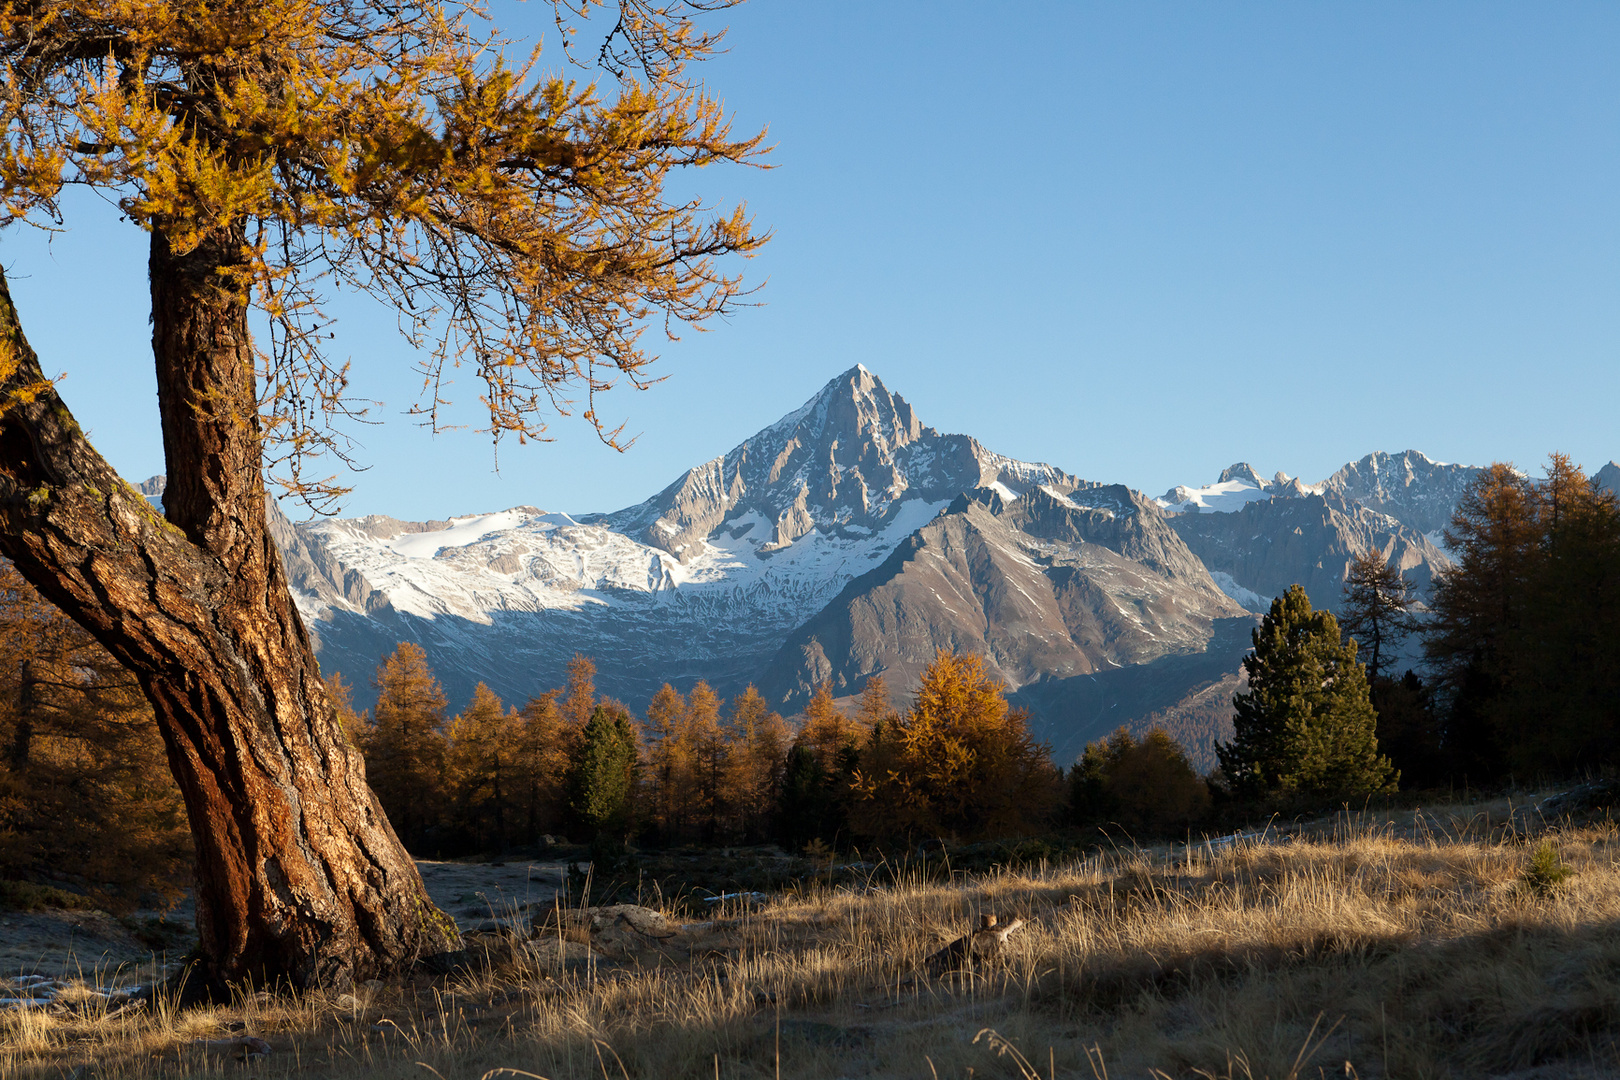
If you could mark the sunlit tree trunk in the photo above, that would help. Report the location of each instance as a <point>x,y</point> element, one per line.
<point>300,877</point>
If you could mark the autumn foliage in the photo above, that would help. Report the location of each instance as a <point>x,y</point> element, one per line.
<point>697,769</point>
<point>959,763</point>
<point>86,800</point>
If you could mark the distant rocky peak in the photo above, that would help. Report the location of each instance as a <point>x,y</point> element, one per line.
<point>1410,486</point>
<point>1244,472</point>
<point>1608,477</point>
<point>849,457</point>
<point>851,408</point>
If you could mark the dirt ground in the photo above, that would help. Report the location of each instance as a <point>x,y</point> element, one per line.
<point>117,951</point>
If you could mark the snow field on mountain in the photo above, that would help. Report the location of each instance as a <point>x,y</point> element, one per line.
<point>1222,498</point>
<point>520,561</point>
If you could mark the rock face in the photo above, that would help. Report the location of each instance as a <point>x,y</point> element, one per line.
<point>1055,583</point>
<point>1257,552</point>
<point>845,463</point>
<point>704,580</point>
<point>1417,492</point>
<point>1608,477</point>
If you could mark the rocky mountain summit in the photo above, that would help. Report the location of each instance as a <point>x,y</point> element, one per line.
<point>704,580</point>
<point>1608,477</point>
<point>844,464</point>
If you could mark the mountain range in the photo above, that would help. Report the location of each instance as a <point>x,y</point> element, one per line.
<point>847,540</point>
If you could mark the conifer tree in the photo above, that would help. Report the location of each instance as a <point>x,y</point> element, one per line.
<point>759,739</point>
<point>808,806</point>
<point>1377,608</point>
<point>601,781</point>
<point>670,762</point>
<point>86,800</point>
<point>1475,610</point>
<point>406,745</point>
<point>355,725</point>
<point>1305,729</point>
<point>1562,702</point>
<point>480,768</point>
<point>577,702</point>
<point>1524,632</point>
<point>828,734</point>
<point>818,773</point>
<point>1146,787</point>
<point>546,744</point>
<point>873,707</point>
<point>710,752</point>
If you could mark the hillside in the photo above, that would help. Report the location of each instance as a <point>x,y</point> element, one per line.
<point>1376,945</point>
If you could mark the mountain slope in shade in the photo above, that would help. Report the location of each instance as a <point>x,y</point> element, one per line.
<point>1259,551</point>
<point>1054,583</point>
<point>1189,694</point>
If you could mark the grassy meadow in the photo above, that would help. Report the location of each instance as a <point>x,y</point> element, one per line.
<point>1465,941</point>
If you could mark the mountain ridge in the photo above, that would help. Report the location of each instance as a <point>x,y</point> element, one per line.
<point>848,539</point>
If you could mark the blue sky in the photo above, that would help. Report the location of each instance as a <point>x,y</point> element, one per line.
<point>1139,241</point>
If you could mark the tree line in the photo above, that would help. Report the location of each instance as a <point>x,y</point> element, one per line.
<point>958,762</point>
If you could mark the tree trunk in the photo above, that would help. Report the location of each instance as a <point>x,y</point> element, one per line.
<point>300,877</point>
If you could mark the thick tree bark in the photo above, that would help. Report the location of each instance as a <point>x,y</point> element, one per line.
<point>300,877</point>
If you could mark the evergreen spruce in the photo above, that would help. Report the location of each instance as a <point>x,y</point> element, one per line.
<point>602,779</point>
<point>1305,730</point>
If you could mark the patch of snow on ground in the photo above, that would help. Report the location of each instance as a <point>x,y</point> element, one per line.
<point>1007,494</point>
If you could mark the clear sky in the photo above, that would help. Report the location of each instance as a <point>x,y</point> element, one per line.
<point>1138,241</point>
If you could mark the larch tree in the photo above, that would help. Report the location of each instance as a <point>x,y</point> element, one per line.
<point>577,701</point>
<point>1377,608</point>
<point>354,724</point>
<point>828,733</point>
<point>669,760</point>
<point>84,797</point>
<point>759,738</point>
<point>709,752</point>
<point>547,744</point>
<point>405,748</point>
<point>272,149</point>
<point>960,762</point>
<point>1477,609</point>
<point>1526,625</point>
<point>479,764</point>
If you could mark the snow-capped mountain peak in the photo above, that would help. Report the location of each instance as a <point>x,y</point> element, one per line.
<point>1239,484</point>
<point>845,462</point>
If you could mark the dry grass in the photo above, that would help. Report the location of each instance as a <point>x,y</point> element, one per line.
<point>1408,946</point>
